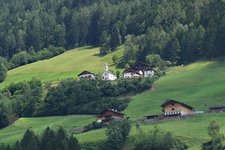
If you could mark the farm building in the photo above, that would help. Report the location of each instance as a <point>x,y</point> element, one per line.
<point>87,75</point>
<point>108,75</point>
<point>139,70</point>
<point>217,109</point>
<point>175,108</point>
<point>132,73</point>
<point>109,115</point>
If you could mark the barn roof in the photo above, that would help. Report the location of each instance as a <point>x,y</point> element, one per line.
<point>111,110</point>
<point>85,72</point>
<point>141,66</point>
<point>132,69</point>
<point>173,101</point>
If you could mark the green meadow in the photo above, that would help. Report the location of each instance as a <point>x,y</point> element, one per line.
<point>192,130</point>
<point>200,85</point>
<point>15,131</point>
<point>66,65</point>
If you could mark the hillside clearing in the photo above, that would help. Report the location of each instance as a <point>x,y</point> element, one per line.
<point>66,65</point>
<point>200,85</point>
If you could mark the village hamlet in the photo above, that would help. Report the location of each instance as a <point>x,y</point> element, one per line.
<point>139,70</point>
<point>109,115</point>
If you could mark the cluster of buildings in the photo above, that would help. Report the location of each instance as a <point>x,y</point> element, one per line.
<point>138,70</point>
<point>171,108</point>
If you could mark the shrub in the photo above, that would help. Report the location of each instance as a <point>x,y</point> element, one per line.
<point>117,133</point>
<point>20,59</point>
<point>158,140</point>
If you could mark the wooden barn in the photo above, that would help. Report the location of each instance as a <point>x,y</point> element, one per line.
<point>109,115</point>
<point>175,108</point>
<point>217,109</point>
<point>87,75</point>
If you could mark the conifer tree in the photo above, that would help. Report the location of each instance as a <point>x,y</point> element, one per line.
<point>3,72</point>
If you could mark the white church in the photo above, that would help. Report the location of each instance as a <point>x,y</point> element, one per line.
<point>107,75</point>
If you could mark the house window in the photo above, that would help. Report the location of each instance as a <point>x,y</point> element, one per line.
<point>172,104</point>
<point>172,108</point>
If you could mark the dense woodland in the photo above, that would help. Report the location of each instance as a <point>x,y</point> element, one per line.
<point>29,98</point>
<point>178,30</point>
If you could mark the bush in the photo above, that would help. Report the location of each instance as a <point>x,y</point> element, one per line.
<point>117,133</point>
<point>93,125</point>
<point>216,142</point>
<point>20,59</point>
<point>158,140</point>
<point>24,58</point>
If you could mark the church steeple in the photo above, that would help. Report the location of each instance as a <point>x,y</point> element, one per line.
<point>106,68</point>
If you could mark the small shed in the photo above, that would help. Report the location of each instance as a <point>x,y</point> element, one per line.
<point>217,109</point>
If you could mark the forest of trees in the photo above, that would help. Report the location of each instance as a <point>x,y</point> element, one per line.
<point>31,98</point>
<point>179,31</point>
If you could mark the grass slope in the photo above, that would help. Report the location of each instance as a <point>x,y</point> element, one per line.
<point>200,85</point>
<point>66,65</point>
<point>17,129</point>
<point>192,130</point>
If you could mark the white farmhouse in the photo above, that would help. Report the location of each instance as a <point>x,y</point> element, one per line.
<point>139,70</point>
<point>107,75</point>
<point>149,72</point>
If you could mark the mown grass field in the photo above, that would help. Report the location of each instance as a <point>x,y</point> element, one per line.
<point>66,65</point>
<point>200,85</point>
<point>17,129</point>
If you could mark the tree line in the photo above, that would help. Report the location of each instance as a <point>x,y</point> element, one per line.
<point>179,31</point>
<point>49,140</point>
<point>29,98</point>
<point>116,138</point>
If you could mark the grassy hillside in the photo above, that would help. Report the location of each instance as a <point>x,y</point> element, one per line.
<point>193,130</point>
<point>66,65</point>
<point>17,129</point>
<point>200,85</point>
